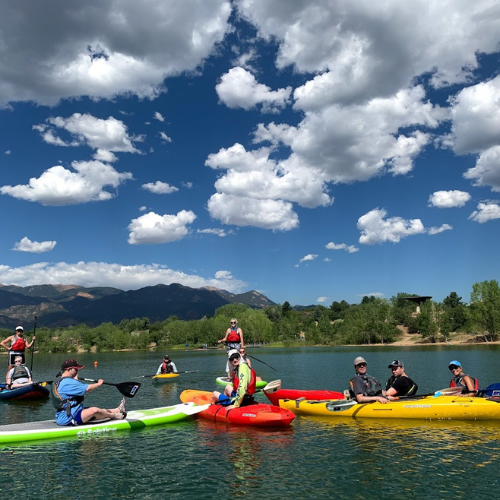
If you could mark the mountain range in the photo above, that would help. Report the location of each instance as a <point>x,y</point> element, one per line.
<point>66,305</point>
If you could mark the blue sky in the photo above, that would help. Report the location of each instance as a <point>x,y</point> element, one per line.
<point>311,150</point>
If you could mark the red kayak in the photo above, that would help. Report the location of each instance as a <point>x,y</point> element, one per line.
<point>258,414</point>
<point>274,393</point>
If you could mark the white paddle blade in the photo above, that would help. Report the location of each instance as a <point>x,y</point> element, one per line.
<point>273,386</point>
<point>449,391</point>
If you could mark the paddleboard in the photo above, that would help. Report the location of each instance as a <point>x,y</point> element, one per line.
<point>225,381</point>
<point>137,419</point>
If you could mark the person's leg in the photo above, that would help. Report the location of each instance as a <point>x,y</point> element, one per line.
<point>99,413</point>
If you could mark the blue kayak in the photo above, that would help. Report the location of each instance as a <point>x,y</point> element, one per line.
<point>36,390</point>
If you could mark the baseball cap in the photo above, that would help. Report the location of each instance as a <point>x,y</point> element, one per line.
<point>71,363</point>
<point>166,356</point>
<point>455,362</point>
<point>396,363</point>
<point>232,352</point>
<point>19,328</point>
<point>359,360</point>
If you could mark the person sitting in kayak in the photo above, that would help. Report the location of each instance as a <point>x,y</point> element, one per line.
<point>240,393</point>
<point>246,359</point>
<point>68,395</point>
<point>167,366</point>
<point>18,346</point>
<point>469,384</point>
<point>233,340</point>
<point>399,384</point>
<point>363,387</point>
<point>19,375</point>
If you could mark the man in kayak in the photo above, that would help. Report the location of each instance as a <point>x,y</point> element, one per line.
<point>19,375</point>
<point>233,340</point>
<point>167,366</point>
<point>363,387</point>
<point>243,387</point>
<point>399,384</point>
<point>468,384</point>
<point>18,346</point>
<point>68,395</point>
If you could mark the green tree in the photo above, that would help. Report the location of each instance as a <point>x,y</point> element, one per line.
<point>427,320</point>
<point>485,308</point>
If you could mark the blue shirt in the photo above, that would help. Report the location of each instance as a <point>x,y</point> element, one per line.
<point>68,388</point>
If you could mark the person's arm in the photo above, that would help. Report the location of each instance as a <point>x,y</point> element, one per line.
<point>4,342</point>
<point>241,337</point>
<point>159,369</point>
<point>225,336</point>
<point>249,363</point>
<point>244,376</point>
<point>28,346</point>
<point>470,386</point>
<point>8,379</point>
<point>91,387</point>
<point>174,368</point>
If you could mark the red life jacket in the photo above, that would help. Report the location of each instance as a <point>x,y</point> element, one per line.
<point>251,386</point>
<point>18,344</point>
<point>234,336</point>
<point>166,367</point>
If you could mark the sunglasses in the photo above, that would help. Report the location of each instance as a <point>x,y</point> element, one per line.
<point>18,361</point>
<point>232,358</point>
<point>361,365</point>
<point>233,323</point>
<point>453,367</point>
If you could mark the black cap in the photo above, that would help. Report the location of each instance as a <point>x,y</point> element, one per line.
<point>71,363</point>
<point>397,364</point>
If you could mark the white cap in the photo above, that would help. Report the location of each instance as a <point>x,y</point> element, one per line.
<point>19,328</point>
<point>232,352</point>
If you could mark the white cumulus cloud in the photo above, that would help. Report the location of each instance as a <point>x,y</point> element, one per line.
<point>151,228</point>
<point>449,199</point>
<point>160,187</point>
<point>375,228</point>
<point>486,211</point>
<point>26,245</point>
<point>440,229</point>
<point>341,246</point>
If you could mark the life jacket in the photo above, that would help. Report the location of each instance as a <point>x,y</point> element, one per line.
<point>20,372</point>
<point>18,344</point>
<point>458,381</point>
<point>251,386</point>
<point>372,386</point>
<point>413,389</point>
<point>234,336</point>
<point>167,367</point>
<point>61,404</point>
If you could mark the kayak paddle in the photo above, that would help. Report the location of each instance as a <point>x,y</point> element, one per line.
<point>150,376</point>
<point>32,350</point>
<point>260,361</point>
<point>128,389</point>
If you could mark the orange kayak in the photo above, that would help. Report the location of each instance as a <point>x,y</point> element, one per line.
<point>258,414</point>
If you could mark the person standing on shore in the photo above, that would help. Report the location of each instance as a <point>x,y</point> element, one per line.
<point>363,387</point>
<point>234,340</point>
<point>18,346</point>
<point>399,384</point>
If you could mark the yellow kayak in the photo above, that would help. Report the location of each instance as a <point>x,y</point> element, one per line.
<point>165,377</point>
<point>428,407</point>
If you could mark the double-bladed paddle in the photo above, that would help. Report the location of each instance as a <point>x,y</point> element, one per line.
<point>128,389</point>
<point>150,376</point>
<point>263,362</point>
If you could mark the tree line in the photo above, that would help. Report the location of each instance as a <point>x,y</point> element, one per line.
<point>373,320</point>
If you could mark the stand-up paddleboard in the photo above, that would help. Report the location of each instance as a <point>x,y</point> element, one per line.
<point>225,381</point>
<point>165,377</point>
<point>48,429</point>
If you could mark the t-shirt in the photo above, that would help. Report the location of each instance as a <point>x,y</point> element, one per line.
<point>22,380</point>
<point>365,385</point>
<point>67,388</point>
<point>402,385</point>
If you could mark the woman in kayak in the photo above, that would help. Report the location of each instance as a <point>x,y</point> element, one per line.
<point>468,384</point>
<point>399,384</point>
<point>68,395</point>
<point>19,375</point>
<point>18,346</point>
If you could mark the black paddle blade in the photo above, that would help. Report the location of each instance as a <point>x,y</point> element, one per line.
<point>128,389</point>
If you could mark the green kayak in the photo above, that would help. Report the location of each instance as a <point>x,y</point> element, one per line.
<point>48,429</point>
<point>225,381</point>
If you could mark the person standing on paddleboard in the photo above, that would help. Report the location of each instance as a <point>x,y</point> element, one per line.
<point>18,346</point>
<point>68,395</point>
<point>234,340</point>
<point>167,366</point>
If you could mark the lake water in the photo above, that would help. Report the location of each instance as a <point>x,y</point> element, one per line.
<point>315,457</point>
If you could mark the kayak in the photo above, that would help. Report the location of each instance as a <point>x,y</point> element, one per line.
<point>257,414</point>
<point>225,381</point>
<point>274,393</point>
<point>165,377</point>
<point>36,390</point>
<point>423,407</point>
<point>137,419</point>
